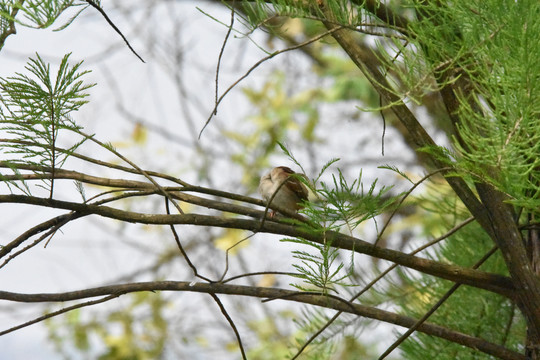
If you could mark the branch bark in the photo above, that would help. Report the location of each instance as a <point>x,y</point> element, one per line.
<point>479,279</point>
<point>272,293</point>
<point>508,239</point>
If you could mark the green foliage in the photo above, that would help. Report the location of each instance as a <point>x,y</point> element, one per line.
<point>322,271</point>
<point>344,204</point>
<point>338,205</point>
<point>488,45</point>
<point>37,14</point>
<point>36,110</point>
<point>5,10</point>
<point>135,332</point>
<point>258,12</point>
<point>501,129</point>
<point>469,310</point>
<point>42,14</point>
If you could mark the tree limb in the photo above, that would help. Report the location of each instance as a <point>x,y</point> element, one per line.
<point>491,282</point>
<point>313,299</point>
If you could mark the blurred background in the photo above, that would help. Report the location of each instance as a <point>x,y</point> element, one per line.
<point>154,113</point>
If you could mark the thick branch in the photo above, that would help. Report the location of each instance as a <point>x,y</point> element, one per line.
<point>369,65</point>
<point>508,239</point>
<point>273,293</point>
<point>491,282</point>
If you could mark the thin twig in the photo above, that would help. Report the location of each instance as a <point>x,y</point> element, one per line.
<point>257,274</point>
<point>60,221</point>
<point>266,58</point>
<point>144,189</point>
<point>231,323</point>
<point>135,166</point>
<point>226,270</point>
<point>221,55</point>
<point>434,308</point>
<point>6,249</point>
<point>404,197</point>
<point>184,254</point>
<point>61,311</point>
<point>384,125</point>
<point>102,12</point>
<point>52,225</point>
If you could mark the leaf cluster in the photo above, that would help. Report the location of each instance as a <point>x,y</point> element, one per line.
<point>37,14</point>
<point>35,110</point>
<point>337,205</point>
<point>485,49</point>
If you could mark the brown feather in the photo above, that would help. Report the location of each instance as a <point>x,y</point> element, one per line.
<point>295,185</point>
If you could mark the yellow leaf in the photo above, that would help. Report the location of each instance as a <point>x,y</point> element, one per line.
<point>139,134</point>
<point>294,27</point>
<point>267,280</point>
<point>230,238</point>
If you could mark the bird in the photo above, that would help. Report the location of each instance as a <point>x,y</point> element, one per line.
<point>289,196</point>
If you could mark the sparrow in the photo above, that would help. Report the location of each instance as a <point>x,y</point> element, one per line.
<point>289,196</point>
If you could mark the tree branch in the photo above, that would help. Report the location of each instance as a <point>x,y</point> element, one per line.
<point>109,21</point>
<point>509,240</point>
<point>367,62</point>
<point>313,299</point>
<point>58,312</point>
<point>12,29</point>
<point>385,14</point>
<point>491,282</point>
